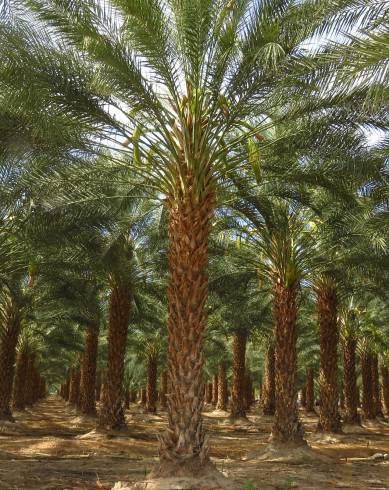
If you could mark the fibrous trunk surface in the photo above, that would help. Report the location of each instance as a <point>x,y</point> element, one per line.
<point>111,413</point>
<point>163,388</point>
<point>385,387</point>
<point>329,418</point>
<point>368,404</point>
<point>238,409</point>
<point>183,446</point>
<point>30,380</point>
<point>351,415</point>
<point>74,390</point>
<point>287,428</point>
<point>88,373</point>
<point>8,341</point>
<point>376,386</point>
<point>215,389</point>
<point>309,391</point>
<point>19,392</point>
<point>209,393</point>
<point>151,403</point>
<point>269,386</point>
<point>222,387</point>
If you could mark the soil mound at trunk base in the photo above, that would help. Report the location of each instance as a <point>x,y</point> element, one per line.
<point>179,483</point>
<point>289,453</point>
<point>328,438</point>
<point>210,479</point>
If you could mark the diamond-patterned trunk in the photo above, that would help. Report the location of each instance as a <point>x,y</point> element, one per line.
<point>111,412</point>
<point>368,404</point>
<point>269,385</point>
<point>30,380</point>
<point>74,389</point>
<point>385,387</point>
<point>163,389</point>
<point>351,415</point>
<point>88,373</point>
<point>222,387</point>
<point>309,391</point>
<point>66,387</point>
<point>238,408</point>
<point>152,395</point>
<point>215,389</point>
<point>287,428</point>
<point>9,339</point>
<point>376,386</point>
<point>19,392</point>
<point>329,418</point>
<point>183,448</point>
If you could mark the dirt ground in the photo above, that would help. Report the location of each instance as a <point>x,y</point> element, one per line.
<point>51,447</point>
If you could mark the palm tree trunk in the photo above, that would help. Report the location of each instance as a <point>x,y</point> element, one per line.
<point>37,384</point>
<point>209,393</point>
<point>74,389</point>
<point>329,418</point>
<point>238,375</point>
<point>351,415</point>
<point>183,448</point>
<point>222,387</point>
<point>88,373</point>
<point>143,396</point>
<point>8,344</point>
<point>368,405</point>
<point>42,389</point>
<point>376,386</point>
<point>309,391</point>
<point>151,404</point>
<point>248,396</point>
<point>215,388</point>
<point>287,428</point>
<point>304,396</point>
<point>385,387</point>
<point>98,390</point>
<point>19,393</point>
<point>127,398</point>
<point>30,379</point>
<point>269,386</point>
<point>111,412</point>
<point>163,389</point>
<point>67,386</point>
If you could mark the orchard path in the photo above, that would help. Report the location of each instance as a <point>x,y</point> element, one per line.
<point>51,447</point>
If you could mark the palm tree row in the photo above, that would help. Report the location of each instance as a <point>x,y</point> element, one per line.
<point>220,144</point>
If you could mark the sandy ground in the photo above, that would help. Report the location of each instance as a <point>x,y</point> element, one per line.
<point>51,447</point>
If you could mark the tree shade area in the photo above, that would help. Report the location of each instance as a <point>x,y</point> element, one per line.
<point>194,244</point>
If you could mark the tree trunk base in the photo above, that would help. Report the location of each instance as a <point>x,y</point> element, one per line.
<point>268,412</point>
<point>240,423</point>
<point>291,453</point>
<point>182,476</point>
<point>352,420</point>
<point>5,417</point>
<point>335,429</point>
